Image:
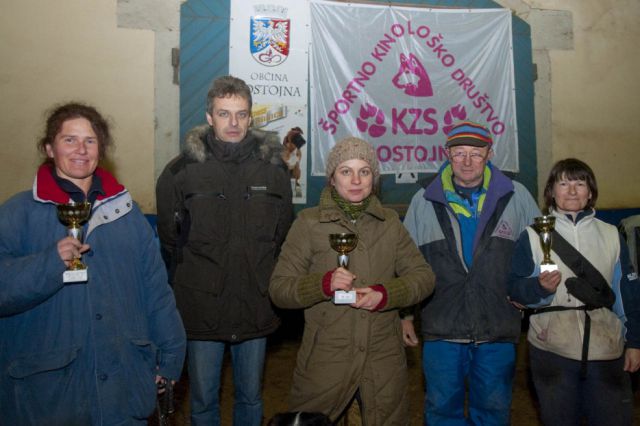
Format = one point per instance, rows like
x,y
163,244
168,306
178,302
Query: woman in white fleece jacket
x,y
571,381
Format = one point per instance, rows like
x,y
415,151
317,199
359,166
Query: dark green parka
x,y
345,349
222,217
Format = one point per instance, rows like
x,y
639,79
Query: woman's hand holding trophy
x,y
549,275
544,226
71,247
342,279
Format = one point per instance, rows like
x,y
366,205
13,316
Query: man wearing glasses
x,y
466,223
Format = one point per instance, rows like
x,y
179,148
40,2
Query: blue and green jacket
x,y
470,301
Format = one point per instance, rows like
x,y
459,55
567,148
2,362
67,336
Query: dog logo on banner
x,y
412,77
269,40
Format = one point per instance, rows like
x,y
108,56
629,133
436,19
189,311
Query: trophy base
x,y
550,267
341,297
75,276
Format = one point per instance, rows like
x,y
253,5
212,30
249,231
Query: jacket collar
x,y
330,212
457,203
499,186
267,147
583,217
46,190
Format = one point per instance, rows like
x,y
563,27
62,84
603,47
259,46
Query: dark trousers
x,y
603,397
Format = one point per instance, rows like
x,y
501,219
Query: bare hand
x,y
631,360
516,304
550,280
367,298
342,279
409,333
162,389
70,248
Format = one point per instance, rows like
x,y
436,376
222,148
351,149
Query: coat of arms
x,y
269,40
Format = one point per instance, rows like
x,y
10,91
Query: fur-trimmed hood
x,y
268,149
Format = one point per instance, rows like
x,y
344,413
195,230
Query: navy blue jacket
x,y
83,354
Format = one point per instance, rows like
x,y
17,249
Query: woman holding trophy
x,y
81,341
352,345
584,332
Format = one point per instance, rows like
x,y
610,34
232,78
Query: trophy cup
x,y
343,244
544,225
73,215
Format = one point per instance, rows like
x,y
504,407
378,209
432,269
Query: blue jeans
x,y
205,368
488,370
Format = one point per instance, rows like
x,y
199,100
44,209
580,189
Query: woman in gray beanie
x,y
351,350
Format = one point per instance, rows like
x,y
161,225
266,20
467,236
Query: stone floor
x,y
281,354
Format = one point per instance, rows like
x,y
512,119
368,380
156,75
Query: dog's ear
x,y
294,136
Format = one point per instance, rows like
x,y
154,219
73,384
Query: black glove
x,y
592,295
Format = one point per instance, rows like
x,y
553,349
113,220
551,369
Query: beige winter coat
x,y
345,349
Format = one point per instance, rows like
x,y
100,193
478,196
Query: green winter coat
x,y
221,221
345,349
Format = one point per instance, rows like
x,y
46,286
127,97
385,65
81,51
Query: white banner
x,y
268,48
399,77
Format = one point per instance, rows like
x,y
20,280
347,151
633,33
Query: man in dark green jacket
x,y
224,209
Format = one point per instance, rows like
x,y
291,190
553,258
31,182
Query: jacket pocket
x,y
262,214
50,388
206,251
261,221
262,259
309,341
140,369
202,270
200,310
208,217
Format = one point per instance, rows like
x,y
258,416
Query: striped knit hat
x,y
469,133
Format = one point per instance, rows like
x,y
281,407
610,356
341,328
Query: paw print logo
x,y
457,113
368,111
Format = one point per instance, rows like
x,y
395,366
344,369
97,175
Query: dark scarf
x,y
230,151
353,211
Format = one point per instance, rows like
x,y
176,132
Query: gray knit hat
x,y
351,148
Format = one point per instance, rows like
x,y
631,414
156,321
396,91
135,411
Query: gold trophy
x,y
73,215
343,244
544,226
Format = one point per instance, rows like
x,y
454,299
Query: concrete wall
x,y
587,93
116,54
75,50
595,95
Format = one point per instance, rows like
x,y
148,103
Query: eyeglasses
x,y
459,157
